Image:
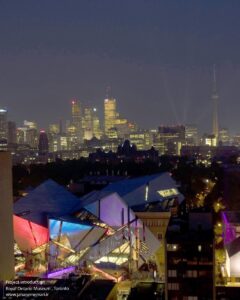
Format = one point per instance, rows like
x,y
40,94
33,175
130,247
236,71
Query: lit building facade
x,y
3,129
77,120
110,114
172,138
142,139
191,135
91,123
30,124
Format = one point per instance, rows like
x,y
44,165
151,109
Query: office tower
x,y
28,134
77,120
3,129
32,137
141,139
215,98
97,132
71,133
110,115
54,128
12,133
191,135
172,138
54,137
6,218
20,135
91,123
43,143
209,140
30,124
3,123
88,123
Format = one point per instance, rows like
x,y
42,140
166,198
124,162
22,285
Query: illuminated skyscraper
x,y
3,123
110,114
28,134
3,129
215,97
91,123
88,123
97,132
54,128
172,137
191,135
30,124
77,120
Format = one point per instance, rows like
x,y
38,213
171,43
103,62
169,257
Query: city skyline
x,y
178,115
160,53
73,103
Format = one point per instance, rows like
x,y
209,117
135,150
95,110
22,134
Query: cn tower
x,y
215,97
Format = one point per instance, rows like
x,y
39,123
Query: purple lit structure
x,y
61,272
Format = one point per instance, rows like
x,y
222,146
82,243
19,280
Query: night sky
x,y
157,56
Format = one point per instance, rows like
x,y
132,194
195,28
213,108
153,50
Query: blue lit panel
x,y
67,228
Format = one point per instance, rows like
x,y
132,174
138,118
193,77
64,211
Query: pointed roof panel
x,y
47,199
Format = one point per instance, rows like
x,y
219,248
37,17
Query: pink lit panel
x,y
29,235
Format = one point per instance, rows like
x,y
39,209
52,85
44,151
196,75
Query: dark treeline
x,y
191,178
64,171
186,172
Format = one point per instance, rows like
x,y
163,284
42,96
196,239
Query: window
x,y
172,273
192,273
173,286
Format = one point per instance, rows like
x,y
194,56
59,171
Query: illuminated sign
x,y
168,193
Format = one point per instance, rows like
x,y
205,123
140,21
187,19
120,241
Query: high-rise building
x,y
3,129
77,119
142,139
110,114
32,137
87,123
28,134
97,132
21,135
73,141
191,135
54,137
91,123
12,133
43,143
54,128
215,98
30,124
172,138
